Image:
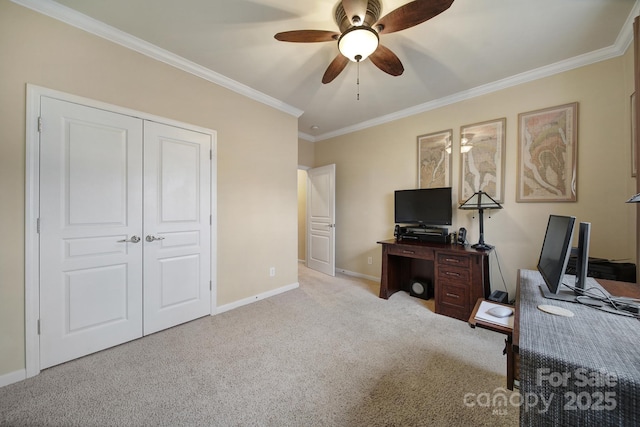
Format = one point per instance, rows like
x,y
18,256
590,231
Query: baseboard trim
x,y
13,377
264,295
360,275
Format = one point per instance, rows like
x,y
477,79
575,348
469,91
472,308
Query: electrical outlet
x,y
272,271
370,260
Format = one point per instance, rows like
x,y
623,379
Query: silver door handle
x,y
151,238
133,239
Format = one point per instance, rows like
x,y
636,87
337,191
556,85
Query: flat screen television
x,y
425,206
554,256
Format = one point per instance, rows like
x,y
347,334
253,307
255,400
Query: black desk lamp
x,y
481,201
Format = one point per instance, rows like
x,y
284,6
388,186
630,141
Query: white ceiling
x,y
475,47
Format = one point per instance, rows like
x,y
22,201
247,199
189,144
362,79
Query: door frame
x,y
32,207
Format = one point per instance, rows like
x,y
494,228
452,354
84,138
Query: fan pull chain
x,y
358,58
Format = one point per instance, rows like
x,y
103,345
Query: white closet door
x,y
177,229
90,211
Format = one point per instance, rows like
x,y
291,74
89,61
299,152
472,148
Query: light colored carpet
x,y
330,353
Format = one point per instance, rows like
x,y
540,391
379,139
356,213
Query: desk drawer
x,y
454,275
411,251
455,295
454,260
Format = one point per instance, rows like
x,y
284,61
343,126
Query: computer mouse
x,y
500,311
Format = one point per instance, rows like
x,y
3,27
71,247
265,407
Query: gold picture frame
x,y
482,148
434,159
547,154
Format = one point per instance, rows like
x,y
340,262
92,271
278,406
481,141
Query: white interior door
x,y
321,223
90,220
177,226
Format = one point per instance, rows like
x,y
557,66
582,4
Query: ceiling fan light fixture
x,y
357,43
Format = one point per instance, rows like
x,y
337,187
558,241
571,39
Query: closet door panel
x,y
177,255
90,207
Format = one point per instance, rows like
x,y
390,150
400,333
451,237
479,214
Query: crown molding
x,y
529,76
100,29
306,137
625,38
71,17
620,46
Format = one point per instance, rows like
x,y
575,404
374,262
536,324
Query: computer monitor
x,y
554,256
582,256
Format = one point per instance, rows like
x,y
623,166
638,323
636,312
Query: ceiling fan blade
x,y
387,61
355,8
411,14
335,68
307,36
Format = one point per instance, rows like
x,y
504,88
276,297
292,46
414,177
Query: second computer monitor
x,y
582,256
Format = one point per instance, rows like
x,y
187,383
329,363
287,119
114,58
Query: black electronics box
x,y
425,238
600,268
422,234
499,296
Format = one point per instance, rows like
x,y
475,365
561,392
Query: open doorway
x,y
316,228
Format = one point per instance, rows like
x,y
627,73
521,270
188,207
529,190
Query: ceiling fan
x,y
360,26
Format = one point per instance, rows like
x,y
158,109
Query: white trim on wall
x,y
31,240
13,377
255,298
620,46
76,19
358,275
100,29
529,76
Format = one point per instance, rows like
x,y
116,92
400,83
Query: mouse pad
x,y
553,309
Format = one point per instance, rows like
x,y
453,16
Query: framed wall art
x,y
434,159
482,159
547,147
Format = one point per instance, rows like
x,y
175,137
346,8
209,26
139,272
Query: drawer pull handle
x,y
452,260
453,295
451,273
408,252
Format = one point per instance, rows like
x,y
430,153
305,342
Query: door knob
x,y
151,238
133,239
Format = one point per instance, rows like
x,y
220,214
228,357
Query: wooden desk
x,y
459,274
571,362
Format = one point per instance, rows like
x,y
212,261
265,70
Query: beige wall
x,y
257,155
372,163
306,155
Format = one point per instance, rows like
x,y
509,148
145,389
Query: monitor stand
x,y
562,295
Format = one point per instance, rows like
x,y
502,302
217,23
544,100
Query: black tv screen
x,y
429,206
